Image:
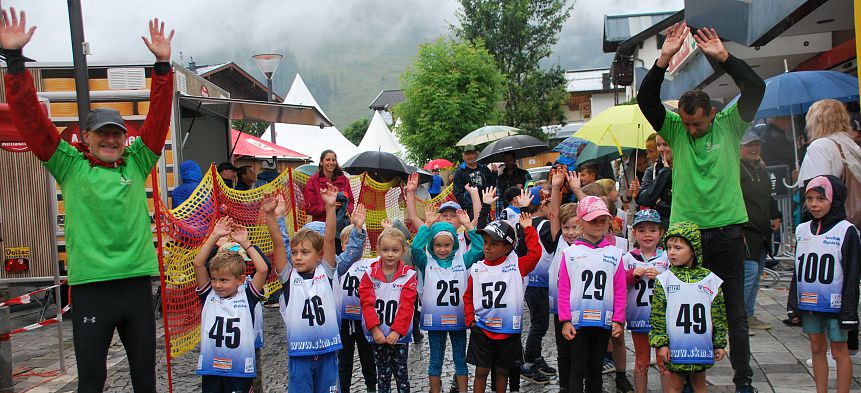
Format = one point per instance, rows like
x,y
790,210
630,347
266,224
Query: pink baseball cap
x,y
591,207
823,185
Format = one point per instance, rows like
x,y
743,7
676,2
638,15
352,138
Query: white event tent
x,y
379,137
311,140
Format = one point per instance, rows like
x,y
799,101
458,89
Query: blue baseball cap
x,y
648,215
535,195
317,226
448,205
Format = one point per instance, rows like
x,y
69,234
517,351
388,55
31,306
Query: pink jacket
x,y
314,206
619,288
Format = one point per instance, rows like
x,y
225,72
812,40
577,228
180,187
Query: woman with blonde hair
x,y
828,125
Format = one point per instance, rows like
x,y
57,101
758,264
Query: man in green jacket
x,y
109,244
706,186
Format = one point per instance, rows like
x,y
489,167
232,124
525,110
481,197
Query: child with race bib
x,y
824,288
493,301
387,293
226,361
643,264
443,265
688,316
591,295
310,309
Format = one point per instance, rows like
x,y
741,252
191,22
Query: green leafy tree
x,y
451,89
255,128
356,130
519,34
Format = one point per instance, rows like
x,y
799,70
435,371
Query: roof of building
x,y
619,28
233,78
387,99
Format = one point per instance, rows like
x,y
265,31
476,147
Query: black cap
x,y
499,230
227,166
100,117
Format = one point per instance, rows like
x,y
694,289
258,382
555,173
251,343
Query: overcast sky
x,y
214,28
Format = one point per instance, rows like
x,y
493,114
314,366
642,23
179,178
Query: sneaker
x,y
544,368
532,375
609,366
754,323
623,385
855,357
746,389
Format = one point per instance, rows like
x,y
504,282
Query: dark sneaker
x,y
609,366
532,375
623,385
544,368
746,389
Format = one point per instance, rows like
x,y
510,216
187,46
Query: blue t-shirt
x,y
436,185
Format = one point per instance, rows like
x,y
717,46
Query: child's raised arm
x,y
221,229
329,195
557,181
475,198
279,252
240,234
412,213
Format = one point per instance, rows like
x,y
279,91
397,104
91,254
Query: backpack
x,y
850,178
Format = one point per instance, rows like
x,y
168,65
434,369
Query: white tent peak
x,y
380,137
300,95
311,140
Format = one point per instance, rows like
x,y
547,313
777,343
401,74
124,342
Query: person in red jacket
x,y
329,172
387,293
493,301
111,256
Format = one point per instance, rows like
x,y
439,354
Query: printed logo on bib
x,y
222,363
833,240
705,289
809,298
836,300
495,323
673,288
591,315
249,365
515,321
448,319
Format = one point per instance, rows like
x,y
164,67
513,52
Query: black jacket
x,y
480,177
761,208
656,192
851,252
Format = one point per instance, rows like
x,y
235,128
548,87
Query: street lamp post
x,y
268,64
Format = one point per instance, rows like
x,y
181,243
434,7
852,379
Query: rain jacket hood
x,y
690,232
443,227
838,210
190,172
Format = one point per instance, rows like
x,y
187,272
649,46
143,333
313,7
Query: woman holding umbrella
x,y
328,172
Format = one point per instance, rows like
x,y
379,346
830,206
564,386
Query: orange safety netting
x,y
185,229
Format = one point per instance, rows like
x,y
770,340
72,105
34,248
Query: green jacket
x,y
658,335
423,242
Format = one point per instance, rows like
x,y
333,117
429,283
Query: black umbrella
x,y
424,176
378,163
520,145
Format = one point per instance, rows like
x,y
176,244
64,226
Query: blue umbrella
x,y
569,146
792,93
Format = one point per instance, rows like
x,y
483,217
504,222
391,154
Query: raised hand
x,y
525,220
573,180
431,215
634,187
463,217
673,43
386,223
239,233
329,194
523,200
711,45
13,31
412,183
472,190
158,44
268,205
559,178
488,197
281,207
358,217
222,227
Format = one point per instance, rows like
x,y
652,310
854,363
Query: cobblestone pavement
x,y
778,360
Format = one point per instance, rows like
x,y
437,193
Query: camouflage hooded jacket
x,y
658,335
